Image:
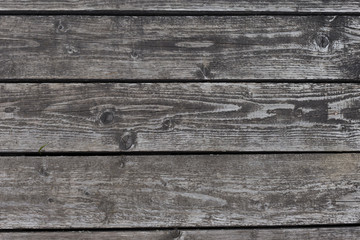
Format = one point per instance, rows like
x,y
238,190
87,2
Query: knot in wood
x,y
9,109
167,124
43,171
175,234
107,117
60,27
71,49
323,41
126,141
134,55
298,112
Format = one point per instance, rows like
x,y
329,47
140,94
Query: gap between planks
x,y
255,234
167,13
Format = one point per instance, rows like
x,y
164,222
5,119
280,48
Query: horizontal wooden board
x,y
180,47
348,233
294,6
239,117
179,190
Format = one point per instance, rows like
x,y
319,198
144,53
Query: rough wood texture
x,y
179,117
180,190
349,233
185,47
297,6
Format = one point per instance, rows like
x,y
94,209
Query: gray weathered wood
x,y
179,117
180,47
144,191
348,233
180,190
302,6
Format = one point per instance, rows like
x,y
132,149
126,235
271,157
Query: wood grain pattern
x,y
180,47
179,190
348,233
296,6
151,117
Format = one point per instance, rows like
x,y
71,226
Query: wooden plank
x,y
115,117
231,6
348,233
180,47
179,190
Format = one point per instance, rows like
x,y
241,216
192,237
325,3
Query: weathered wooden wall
x,y
179,119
